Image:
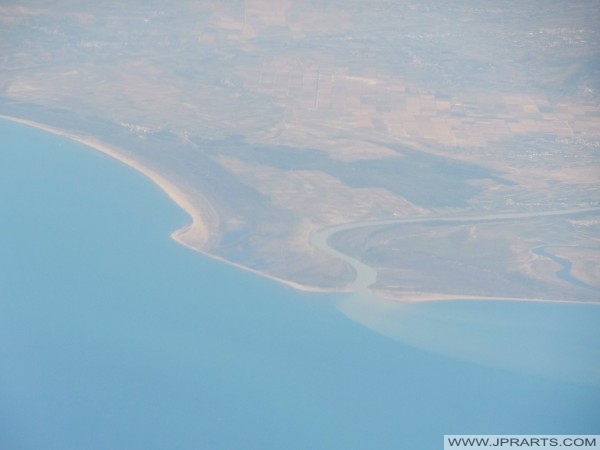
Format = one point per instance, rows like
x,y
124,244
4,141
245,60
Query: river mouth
x,y
551,340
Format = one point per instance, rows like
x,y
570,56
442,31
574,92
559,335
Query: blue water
x,y
112,336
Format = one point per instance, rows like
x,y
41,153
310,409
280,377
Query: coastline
x,y
424,297
197,230
193,235
196,234
367,276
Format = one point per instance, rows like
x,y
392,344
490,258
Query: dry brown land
x,y
269,120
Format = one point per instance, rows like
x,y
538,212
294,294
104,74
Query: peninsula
x,y
433,165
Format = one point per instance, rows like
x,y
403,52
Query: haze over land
x,y
276,120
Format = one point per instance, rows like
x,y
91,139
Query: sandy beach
x,y
420,297
196,232
194,235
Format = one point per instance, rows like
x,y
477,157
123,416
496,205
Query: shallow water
x,y
551,340
114,336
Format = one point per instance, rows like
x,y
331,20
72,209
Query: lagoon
x,y
114,336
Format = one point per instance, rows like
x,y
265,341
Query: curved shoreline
x,y
197,233
193,235
196,230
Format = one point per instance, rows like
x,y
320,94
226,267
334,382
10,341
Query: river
x,y
113,336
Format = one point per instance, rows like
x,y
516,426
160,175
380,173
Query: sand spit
x,y
194,235
419,297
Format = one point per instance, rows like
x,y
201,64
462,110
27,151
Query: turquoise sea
x,y
112,336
